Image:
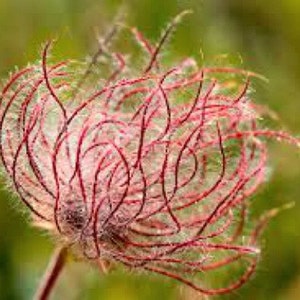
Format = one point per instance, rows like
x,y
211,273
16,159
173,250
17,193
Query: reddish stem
x,y
55,266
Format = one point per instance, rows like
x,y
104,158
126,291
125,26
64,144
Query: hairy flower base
x,y
152,169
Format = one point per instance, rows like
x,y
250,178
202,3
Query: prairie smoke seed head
x,y
151,170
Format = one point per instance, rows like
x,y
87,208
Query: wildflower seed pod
x,y
150,168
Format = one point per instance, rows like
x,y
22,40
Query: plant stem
x,y
55,266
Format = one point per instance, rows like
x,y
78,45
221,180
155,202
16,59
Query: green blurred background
x,y
265,33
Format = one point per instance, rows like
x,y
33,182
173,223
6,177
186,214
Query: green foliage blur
x,y
263,36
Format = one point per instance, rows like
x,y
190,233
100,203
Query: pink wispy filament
x,y
153,171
